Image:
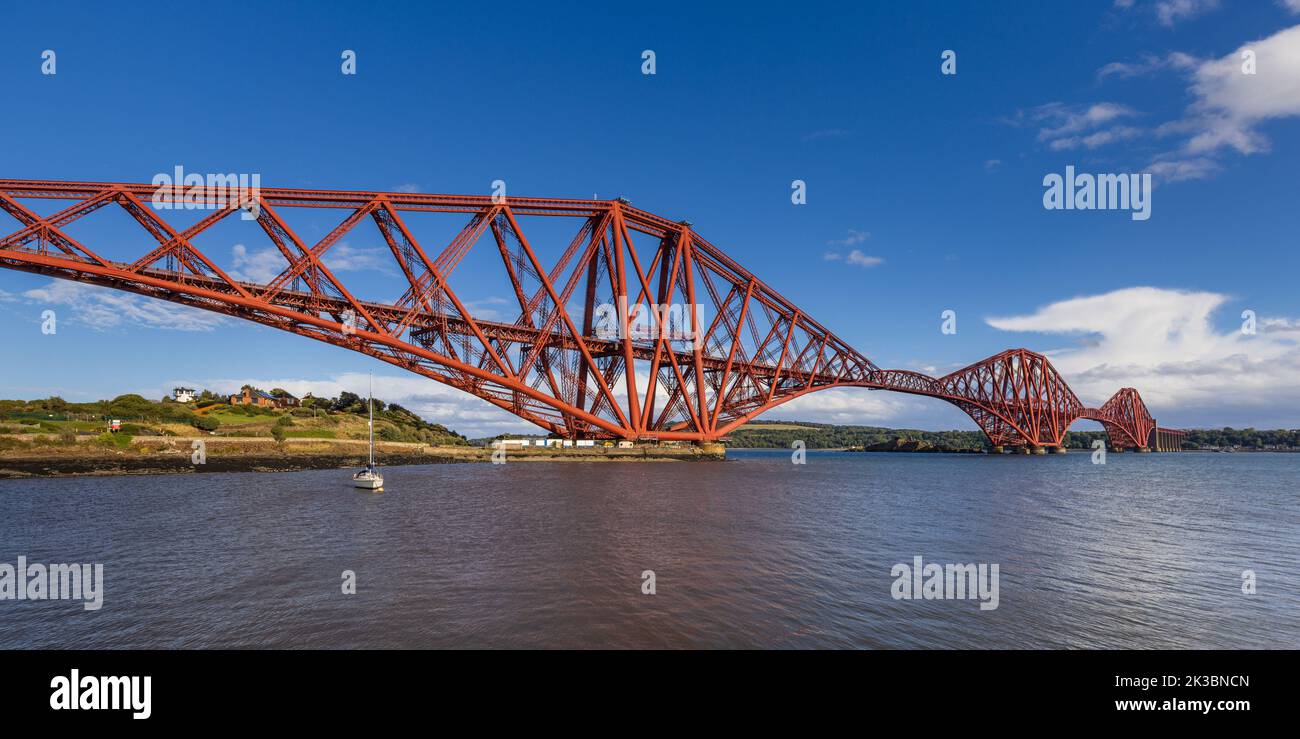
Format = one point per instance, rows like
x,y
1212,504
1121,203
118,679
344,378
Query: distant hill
x,y
780,434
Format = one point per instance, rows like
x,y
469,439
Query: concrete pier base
x,y
999,449
1143,449
713,449
1037,450
1059,450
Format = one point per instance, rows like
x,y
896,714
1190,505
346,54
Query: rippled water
x,y
1145,551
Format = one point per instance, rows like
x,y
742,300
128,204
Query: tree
x,y
131,405
277,433
206,423
348,402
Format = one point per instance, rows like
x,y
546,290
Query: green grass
x,y
114,441
292,433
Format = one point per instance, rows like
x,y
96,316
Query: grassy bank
x,y
123,454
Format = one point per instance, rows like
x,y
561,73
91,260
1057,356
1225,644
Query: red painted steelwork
x,y
550,366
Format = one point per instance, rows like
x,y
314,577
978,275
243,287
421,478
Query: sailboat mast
x,y
370,406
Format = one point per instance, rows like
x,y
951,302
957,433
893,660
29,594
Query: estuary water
x,y
1145,551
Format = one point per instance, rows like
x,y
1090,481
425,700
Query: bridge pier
x,y
1143,449
1035,449
998,449
714,449
1058,450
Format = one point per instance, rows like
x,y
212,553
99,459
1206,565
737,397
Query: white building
x,y
183,394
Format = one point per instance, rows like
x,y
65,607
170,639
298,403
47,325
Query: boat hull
x,y
368,483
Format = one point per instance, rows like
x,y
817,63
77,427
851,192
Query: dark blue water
x,y
1146,551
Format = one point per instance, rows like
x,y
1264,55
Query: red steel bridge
x,y
694,375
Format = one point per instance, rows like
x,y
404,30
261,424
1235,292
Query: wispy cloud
x,y
1169,12
344,257
828,133
854,237
1229,106
1148,64
103,309
1062,126
255,266
264,265
859,259
855,256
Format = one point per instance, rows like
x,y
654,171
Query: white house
x,y
183,394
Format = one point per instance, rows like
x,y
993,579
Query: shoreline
x,y
173,455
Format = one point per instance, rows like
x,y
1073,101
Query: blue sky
x,y
939,178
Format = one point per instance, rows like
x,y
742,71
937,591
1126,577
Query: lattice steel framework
x,y
561,363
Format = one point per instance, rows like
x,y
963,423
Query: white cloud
x,y
1148,64
1170,12
1164,343
1071,126
1097,138
855,256
1291,5
260,266
264,265
859,259
1171,168
101,308
483,309
854,237
1230,105
846,406
343,257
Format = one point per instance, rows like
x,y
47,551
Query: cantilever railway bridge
x,y
695,376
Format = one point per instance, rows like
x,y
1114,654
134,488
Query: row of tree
x,y
772,435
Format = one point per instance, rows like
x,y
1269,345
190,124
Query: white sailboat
x,y
369,478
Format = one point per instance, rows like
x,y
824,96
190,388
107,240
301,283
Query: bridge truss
x,y
639,328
